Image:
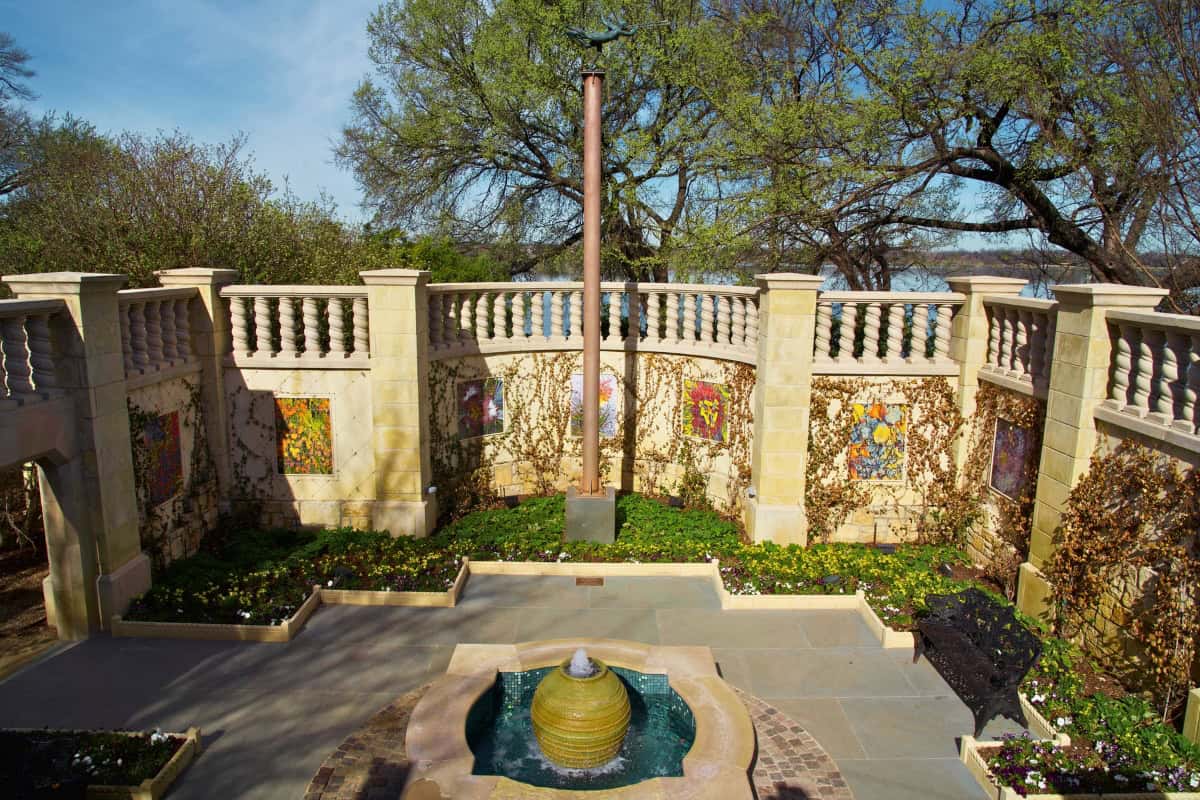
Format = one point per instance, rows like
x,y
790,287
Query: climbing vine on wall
x,y
538,446
1129,528
943,510
160,517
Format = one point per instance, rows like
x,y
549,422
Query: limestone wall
x,y
301,445
174,477
644,446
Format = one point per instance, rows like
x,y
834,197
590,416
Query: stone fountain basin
x,y
717,766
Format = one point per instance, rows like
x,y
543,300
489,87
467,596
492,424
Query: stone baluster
x,y
614,316
137,336
1175,367
824,330
739,321
238,325
724,326
752,324
654,316
1122,365
362,334
167,318
635,317
183,328
537,314
462,302
919,343
435,319
1021,359
941,339
287,328
846,332
337,327
41,353
154,343
449,318
262,327
481,317
556,314
895,334
871,332
500,316
1165,373
1037,346
518,316
577,315
311,321
1048,355
673,317
708,319
1143,368
1004,353
689,318
1190,412
126,344
994,315
16,356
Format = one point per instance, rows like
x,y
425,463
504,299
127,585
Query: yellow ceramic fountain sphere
x,y
580,722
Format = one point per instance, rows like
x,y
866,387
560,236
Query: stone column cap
x,y
1120,295
196,276
789,280
64,282
394,277
986,284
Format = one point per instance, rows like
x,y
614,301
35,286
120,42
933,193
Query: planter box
x,y
1039,726
151,788
364,597
288,630
889,638
216,631
971,756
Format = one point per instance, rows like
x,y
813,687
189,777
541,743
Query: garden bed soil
x,y
24,634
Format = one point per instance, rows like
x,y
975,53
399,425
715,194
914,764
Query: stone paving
x,y
272,713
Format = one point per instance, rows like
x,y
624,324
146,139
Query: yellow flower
x,y
883,434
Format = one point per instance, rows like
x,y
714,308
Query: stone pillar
x,y
211,342
783,386
89,503
1078,383
969,339
399,328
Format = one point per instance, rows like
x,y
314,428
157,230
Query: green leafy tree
x,y
472,123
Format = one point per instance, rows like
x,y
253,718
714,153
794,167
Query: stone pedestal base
x,y
1033,591
116,589
592,519
405,518
782,524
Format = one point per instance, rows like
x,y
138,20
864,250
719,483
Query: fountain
x,y
580,713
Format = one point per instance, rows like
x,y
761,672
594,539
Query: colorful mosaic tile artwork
x,y
1010,455
164,457
877,441
608,404
303,435
705,410
480,407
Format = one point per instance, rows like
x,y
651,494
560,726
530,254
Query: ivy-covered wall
x,y
300,445
506,425
174,478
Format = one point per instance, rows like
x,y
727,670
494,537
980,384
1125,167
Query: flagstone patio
x,y
273,713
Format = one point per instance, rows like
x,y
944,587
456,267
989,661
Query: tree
x,y
902,107
14,121
472,122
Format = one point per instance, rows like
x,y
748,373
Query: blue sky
x,y
281,72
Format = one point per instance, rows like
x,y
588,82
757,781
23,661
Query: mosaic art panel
x,y
303,435
164,471
608,404
1011,449
705,410
878,441
480,407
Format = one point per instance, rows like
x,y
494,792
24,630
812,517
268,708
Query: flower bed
x,y
93,764
262,578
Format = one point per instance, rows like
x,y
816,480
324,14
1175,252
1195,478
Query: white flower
x,y
1194,781
1062,721
1038,698
1120,778
329,582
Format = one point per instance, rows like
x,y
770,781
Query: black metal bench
x,y
981,649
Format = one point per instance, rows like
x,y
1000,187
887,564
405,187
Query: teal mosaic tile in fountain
x,y
500,733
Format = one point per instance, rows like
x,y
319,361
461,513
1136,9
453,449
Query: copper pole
x,y
593,83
